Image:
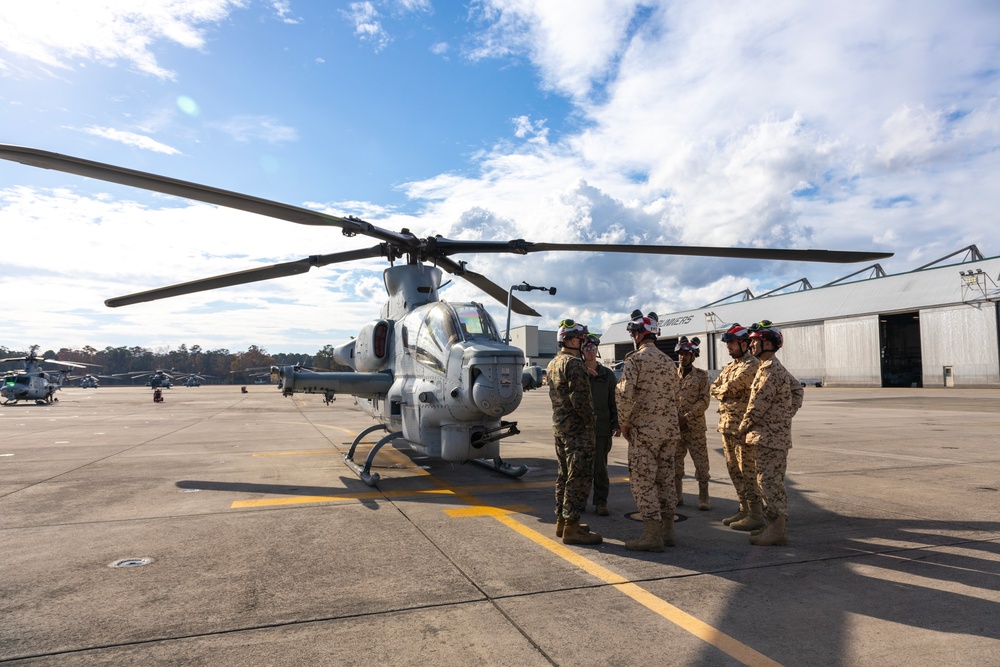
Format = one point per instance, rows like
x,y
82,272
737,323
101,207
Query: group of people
x,y
659,408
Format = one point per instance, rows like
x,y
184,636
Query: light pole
x,y
523,287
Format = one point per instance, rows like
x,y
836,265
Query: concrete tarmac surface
x,y
224,528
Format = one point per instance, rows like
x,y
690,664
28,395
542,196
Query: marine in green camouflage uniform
x,y
602,386
573,429
775,397
692,402
647,412
732,389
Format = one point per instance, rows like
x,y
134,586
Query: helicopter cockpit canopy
x,y
475,322
440,325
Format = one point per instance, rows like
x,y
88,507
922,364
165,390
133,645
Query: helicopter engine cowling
x,y
371,351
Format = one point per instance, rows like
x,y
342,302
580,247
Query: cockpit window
x,y
436,333
475,322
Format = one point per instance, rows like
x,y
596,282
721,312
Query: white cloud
x,y
131,139
283,8
367,24
55,33
258,128
574,44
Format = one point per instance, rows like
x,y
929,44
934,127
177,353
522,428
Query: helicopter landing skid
x,y
502,466
364,472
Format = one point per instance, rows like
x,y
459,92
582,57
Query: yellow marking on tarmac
x,y
339,498
675,615
303,453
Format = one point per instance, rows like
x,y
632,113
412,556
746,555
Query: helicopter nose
x,y
496,387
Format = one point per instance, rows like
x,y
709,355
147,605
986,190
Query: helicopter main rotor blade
x,y
204,193
488,286
522,247
248,276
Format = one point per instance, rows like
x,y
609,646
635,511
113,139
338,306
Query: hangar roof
x,y
921,288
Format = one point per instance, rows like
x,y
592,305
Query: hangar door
x,y
899,344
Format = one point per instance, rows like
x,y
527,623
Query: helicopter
x,y
33,382
192,380
157,379
435,375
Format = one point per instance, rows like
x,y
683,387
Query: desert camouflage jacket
x,y
569,391
693,398
768,419
732,389
647,394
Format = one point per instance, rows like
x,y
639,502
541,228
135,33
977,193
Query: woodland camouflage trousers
x,y
576,475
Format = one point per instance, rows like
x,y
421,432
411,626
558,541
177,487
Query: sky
x,y
862,125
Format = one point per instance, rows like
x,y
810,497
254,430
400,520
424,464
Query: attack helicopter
x,y
157,379
192,380
435,375
33,383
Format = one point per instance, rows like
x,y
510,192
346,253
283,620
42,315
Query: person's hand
x,y
592,371
617,433
627,432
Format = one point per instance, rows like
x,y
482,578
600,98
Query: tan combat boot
x,y
744,510
667,529
678,487
561,526
773,535
650,540
753,520
575,533
703,502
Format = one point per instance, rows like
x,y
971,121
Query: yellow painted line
x,y
483,510
302,453
339,498
675,615
463,492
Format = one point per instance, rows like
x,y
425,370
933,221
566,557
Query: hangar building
x,y
935,326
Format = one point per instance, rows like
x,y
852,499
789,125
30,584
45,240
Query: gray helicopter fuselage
x,y
435,371
33,384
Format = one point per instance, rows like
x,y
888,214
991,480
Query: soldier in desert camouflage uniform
x,y
692,402
573,428
647,413
775,397
732,389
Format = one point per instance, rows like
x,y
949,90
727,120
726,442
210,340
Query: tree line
x,y
215,366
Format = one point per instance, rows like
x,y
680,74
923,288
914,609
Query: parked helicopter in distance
x,y
33,382
191,380
158,379
436,375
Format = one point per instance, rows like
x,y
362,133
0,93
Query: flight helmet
x,y
568,330
685,345
767,331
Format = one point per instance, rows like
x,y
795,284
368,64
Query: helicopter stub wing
x,y
248,276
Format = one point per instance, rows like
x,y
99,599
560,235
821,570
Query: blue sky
x,y
861,126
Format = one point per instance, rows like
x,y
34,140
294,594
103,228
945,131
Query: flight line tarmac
x,y
224,528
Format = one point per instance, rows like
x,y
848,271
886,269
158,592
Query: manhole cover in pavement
x,y
131,562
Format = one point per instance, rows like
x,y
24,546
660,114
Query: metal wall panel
x,y
802,352
851,349
963,338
